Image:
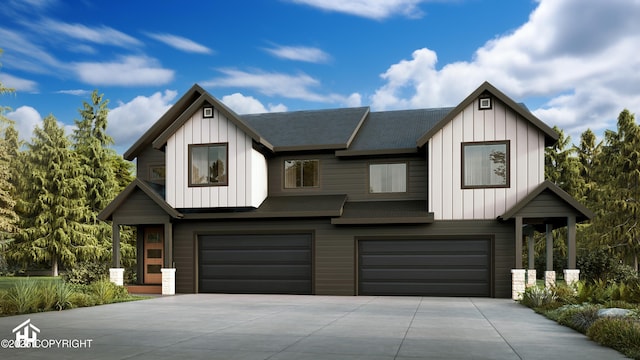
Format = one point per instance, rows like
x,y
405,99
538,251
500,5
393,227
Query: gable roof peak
x,y
550,135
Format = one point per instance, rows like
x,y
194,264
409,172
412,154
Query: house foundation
x,y
168,281
549,279
116,276
517,283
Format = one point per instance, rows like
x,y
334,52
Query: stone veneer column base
x,y
517,283
549,279
116,276
531,278
168,281
571,276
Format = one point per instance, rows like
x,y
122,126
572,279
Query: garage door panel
x,y
243,256
426,275
258,272
425,267
265,263
452,260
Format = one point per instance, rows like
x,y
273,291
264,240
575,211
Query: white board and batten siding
x,y
447,199
247,168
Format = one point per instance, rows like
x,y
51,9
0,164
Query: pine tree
x,y
8,151
52,204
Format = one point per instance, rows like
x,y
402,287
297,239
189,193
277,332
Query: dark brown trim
x,y
508,163
407,151
190,147
550,135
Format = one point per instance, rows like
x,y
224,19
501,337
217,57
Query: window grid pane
x,y
301,173
208,164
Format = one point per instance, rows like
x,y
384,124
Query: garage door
x,y
425,267
255,264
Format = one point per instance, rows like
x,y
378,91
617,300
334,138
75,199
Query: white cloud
x,y
26,118
76,92
277,84
299,53
128,121
242,104
103,35
18,84
127,71
581,54
181,43
373,9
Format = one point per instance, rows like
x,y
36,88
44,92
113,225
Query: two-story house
x,y
341,201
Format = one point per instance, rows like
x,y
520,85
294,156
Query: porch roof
x,y
384,212
107,213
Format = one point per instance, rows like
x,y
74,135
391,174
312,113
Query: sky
x,y
573,63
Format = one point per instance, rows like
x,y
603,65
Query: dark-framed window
x,y
208,164
301,174
387,178
157,172
486,164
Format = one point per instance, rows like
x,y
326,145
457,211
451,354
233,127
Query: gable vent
x,y
484,103
207,112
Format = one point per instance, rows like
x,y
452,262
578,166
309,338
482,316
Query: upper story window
x,y
388,178
208,165
485,165
301,173
157,173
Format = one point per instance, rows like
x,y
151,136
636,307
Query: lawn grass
x,y
7,282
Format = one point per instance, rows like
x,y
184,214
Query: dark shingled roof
x,y
394,131
309,130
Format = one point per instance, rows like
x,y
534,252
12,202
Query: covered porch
x,y
142,206
546,208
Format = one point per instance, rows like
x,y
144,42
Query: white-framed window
x,y
388,178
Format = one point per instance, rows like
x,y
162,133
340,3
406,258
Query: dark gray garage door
x,y
425,267
255,264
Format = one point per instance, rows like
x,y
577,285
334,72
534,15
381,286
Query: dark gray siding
x,y
139,209
349,176
547,205
149,157
335,247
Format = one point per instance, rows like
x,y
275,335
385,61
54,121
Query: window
x,y
301,173
485,165
388,178
208,165
157,172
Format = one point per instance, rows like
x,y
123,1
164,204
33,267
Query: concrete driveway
x,y
300,327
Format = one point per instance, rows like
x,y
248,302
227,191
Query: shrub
x,y
48,296
86,272
80,299
578,317
105,292
620,333
22,297
565,294
598,265
535,297
63,299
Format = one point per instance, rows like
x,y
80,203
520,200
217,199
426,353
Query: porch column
x,y
518,242
549,275
115,244
168,245
571,242
531,272
116,273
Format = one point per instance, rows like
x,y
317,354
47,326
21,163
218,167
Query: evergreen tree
x,y
8,216
52,205
619,189
561,165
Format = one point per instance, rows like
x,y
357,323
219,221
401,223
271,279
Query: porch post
x,y
571,274
116,273
549,275
518,242
168,271
531,272
115,244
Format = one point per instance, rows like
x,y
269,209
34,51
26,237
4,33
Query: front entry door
x,y
153,255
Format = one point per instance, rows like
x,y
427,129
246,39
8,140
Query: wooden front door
x,y
153,255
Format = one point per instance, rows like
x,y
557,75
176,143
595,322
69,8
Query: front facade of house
x,y
428,202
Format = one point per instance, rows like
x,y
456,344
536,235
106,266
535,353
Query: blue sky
x,y
574,63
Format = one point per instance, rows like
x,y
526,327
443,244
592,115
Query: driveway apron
x,y
278,327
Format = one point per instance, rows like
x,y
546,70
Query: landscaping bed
x,y
608,313
29,295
